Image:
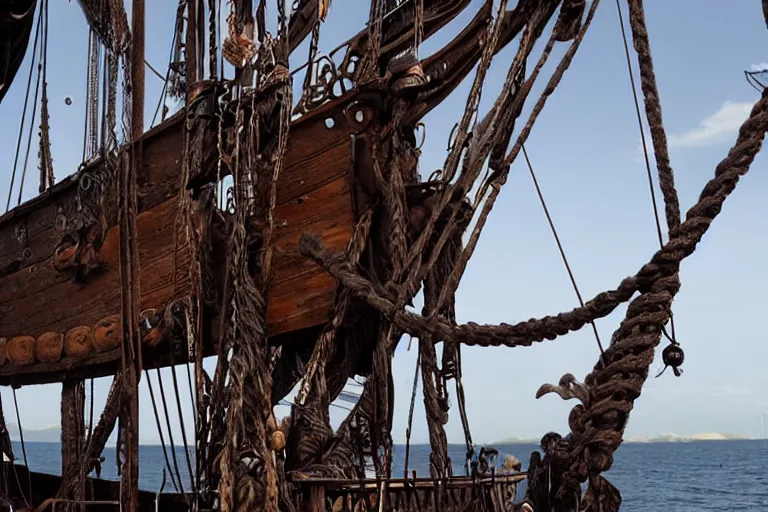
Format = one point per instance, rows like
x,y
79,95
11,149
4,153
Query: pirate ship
x,y
142,260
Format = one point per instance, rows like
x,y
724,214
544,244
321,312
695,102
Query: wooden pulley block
x,y
277,435
277,441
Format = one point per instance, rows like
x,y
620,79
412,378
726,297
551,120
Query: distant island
x,y
674,438
663,438
50,434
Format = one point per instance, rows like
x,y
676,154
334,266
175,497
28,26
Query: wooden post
x,y
72,436
137,69
129,276
130,293
316,501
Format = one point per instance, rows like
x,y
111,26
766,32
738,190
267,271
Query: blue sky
x,y
585,150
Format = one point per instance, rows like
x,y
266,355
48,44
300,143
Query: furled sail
x,y
16,18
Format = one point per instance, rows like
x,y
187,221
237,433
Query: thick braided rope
x,y
598,426
653,112
682,243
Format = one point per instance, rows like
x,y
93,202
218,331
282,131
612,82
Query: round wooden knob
x,y
107,333
49,346
77,342
21,350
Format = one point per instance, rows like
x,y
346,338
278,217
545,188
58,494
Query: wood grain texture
x,y
315,190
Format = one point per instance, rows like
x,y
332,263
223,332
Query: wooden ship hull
x,y
59,297
59,318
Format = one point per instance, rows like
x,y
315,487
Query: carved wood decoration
x,y
333,78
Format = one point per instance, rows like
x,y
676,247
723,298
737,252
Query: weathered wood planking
x,y
36,298
301,294
315,195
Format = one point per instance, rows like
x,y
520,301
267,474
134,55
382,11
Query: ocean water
x,y
668,477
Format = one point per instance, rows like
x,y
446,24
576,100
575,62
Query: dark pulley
x,y
673,356
68,100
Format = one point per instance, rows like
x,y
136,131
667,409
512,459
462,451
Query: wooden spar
x,y
130,290
137,69
398,26
450,65
302,21
190,48
201,27
72,436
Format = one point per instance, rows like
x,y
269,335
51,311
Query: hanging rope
x,y
177,395
46,159
24,110
23,448
369,64
170,68
168,426
681,245
410,414
160,431
658,134
92,100
560,248
653,111
29,134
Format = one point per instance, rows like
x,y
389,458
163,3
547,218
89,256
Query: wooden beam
x,y
72,436
137,69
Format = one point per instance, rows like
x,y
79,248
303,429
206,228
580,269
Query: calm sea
x,y
669,477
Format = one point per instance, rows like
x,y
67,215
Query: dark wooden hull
x,y
318,192
103,494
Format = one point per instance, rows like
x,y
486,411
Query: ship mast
x,y
137,69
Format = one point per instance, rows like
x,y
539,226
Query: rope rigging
x,y
24,110
406,236
560,248
653,110
160,433
23,452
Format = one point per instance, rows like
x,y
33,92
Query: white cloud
x,y
759,67
719,127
